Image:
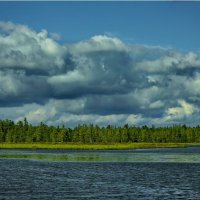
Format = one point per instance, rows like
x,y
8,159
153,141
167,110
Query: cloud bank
x,y
101,80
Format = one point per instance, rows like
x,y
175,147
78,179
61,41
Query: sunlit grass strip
x,y
117,146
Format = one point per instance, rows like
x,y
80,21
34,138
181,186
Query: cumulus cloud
x,y
99,80
171,62
98,43
25,49
185,109
55,112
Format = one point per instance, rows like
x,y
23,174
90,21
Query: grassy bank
x,y
74,146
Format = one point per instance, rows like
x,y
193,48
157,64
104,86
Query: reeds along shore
x,y
117,146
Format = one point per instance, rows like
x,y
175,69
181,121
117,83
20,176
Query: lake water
x,y
135,174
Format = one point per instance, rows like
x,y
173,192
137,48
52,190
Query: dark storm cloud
x,y
98,77
101,72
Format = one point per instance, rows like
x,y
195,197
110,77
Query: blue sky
x,y
114,62
173,24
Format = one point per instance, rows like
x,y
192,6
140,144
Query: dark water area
x,y
136,174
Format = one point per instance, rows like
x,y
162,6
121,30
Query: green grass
x,y
117,146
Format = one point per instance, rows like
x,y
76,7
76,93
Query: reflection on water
x,y
186,155
100,175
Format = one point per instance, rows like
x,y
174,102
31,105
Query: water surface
x,y
186,155
135,174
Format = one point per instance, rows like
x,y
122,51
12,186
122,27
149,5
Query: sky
x,y
100,62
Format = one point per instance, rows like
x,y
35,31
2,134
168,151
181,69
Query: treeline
x,y
23,132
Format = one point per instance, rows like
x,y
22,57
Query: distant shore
x,y
77,146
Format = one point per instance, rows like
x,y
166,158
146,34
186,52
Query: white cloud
x,y
192,85
156,104
160,65
55,36
41,115
133,119
147,95
69,77
23,47
185,109
109,119
100,80
10,84
173,61
98,43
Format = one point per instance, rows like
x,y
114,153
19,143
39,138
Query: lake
x,y
168,173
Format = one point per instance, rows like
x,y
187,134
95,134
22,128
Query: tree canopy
x,y
23,132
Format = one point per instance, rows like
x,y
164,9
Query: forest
x,y
23,132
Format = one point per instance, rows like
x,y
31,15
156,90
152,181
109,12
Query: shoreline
x,y
77,146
